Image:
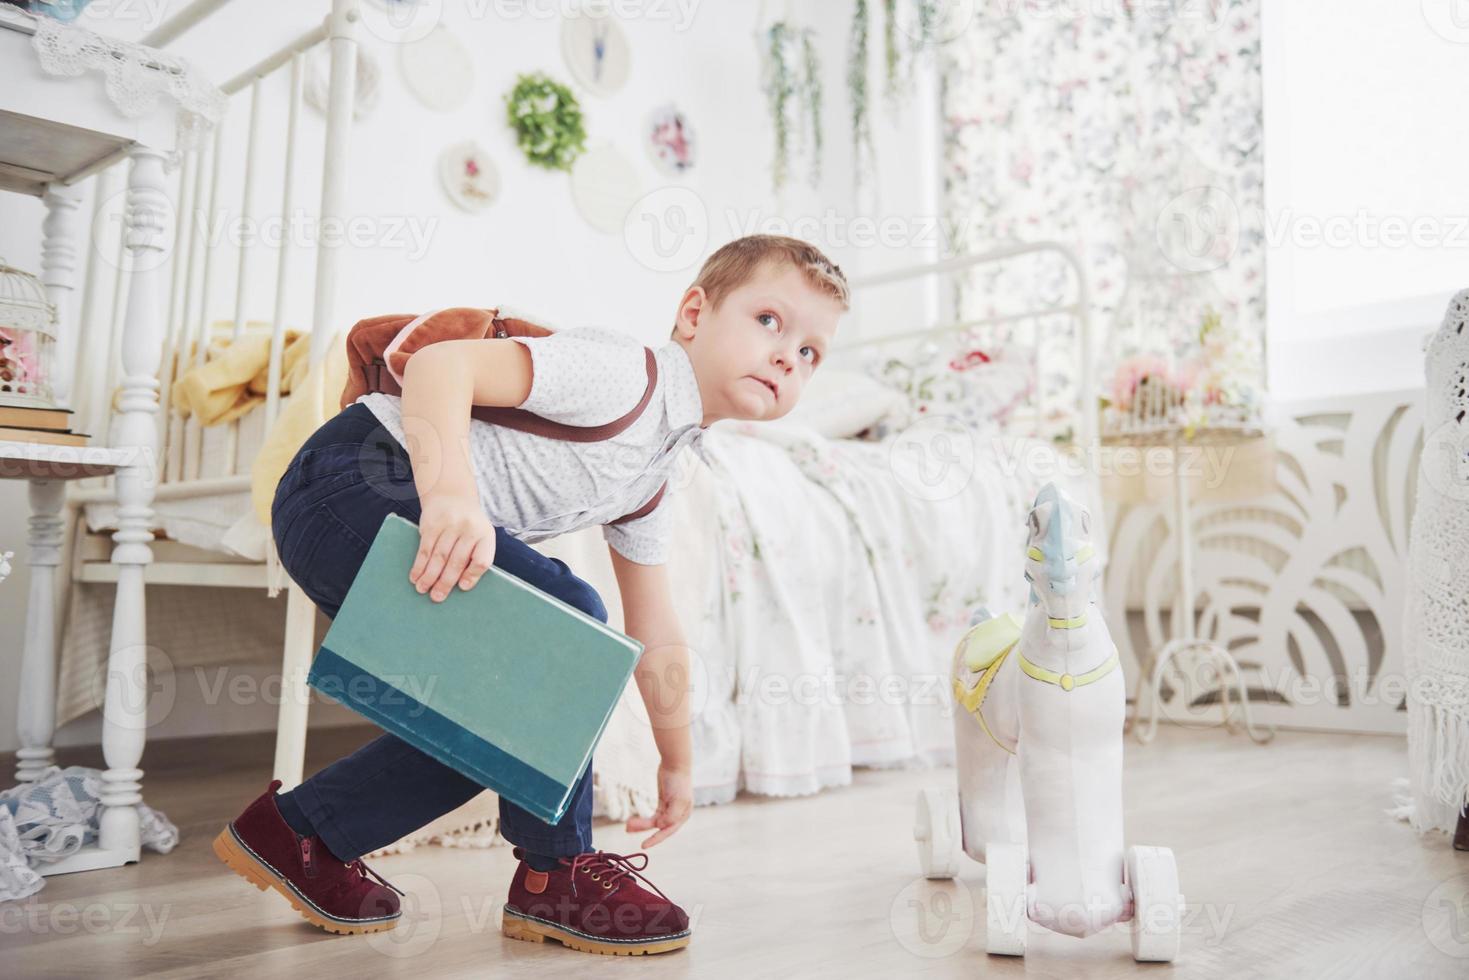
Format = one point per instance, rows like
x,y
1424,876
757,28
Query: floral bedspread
x,y
843,588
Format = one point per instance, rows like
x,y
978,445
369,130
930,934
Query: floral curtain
x,y
1131,131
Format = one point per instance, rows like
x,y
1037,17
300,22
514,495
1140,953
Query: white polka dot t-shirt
x,y
537,487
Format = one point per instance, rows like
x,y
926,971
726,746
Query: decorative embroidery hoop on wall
x,y
438,69
670,140
596,51
469,177
605,186
319,76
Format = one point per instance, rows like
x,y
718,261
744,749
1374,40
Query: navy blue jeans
x,y
328,507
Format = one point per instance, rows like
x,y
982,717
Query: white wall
x,y
531,249
1366,199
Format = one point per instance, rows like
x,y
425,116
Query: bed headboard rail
x,y
1077,308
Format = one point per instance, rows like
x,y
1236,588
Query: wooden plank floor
x,y
1289,864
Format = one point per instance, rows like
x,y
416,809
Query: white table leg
x,y
37,708
36,722
1145,726
59,244
125,711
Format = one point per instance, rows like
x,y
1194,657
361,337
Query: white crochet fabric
x,y
136,76
1436,630
53,818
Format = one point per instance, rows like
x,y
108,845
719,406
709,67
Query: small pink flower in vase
x,y
17,356
471,169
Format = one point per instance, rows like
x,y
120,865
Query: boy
x,y
748,333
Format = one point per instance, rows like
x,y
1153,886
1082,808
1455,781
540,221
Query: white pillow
x,y
841,403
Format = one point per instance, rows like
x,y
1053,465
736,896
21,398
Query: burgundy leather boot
x,y
593,902
339,896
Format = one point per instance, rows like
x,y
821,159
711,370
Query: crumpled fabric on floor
x,y
56,816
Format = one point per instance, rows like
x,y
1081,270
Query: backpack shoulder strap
x,y
520,419
644,510
379,333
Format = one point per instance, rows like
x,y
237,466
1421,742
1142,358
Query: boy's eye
x,y
767,319
813,353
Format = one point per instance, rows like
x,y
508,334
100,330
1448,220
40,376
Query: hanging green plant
x,y
862,148
928,22
811,82
899,58
780,88
890,45
547,121
788,87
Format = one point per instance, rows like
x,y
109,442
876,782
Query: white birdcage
x,y
27,339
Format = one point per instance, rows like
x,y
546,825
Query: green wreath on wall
x,y
547,121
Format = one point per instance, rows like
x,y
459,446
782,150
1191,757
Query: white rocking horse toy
x,y
1044,700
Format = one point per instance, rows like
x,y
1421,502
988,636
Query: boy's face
x,y
754,354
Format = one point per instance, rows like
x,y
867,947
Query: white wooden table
x,y
55,132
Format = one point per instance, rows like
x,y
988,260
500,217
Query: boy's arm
x,y
663,680
663,672
440,384
456,540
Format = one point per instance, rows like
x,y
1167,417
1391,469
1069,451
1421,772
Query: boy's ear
x,y
690,310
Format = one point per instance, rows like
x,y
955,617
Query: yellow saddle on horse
x,y
983,651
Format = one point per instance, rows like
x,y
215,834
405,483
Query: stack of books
x,y
51,425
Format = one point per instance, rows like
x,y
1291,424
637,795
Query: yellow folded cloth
x,y
233,378
316,399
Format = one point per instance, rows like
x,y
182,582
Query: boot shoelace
x,y
366,872
609,868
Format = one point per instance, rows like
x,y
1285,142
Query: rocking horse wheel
x,y
936,829
1157,904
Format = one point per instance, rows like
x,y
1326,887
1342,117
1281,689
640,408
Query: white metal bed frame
x,y
1078,308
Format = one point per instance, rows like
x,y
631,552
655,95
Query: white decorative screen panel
x,y
1305,584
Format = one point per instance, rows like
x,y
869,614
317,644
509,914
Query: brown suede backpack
x,y
378,349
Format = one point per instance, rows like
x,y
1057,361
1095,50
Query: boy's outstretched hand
x,y
675,803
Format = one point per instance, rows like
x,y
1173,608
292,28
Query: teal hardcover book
x,y
505,683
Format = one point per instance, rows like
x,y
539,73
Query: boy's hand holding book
x,y
456,544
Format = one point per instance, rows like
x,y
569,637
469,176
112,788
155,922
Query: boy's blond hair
x,y
734,264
